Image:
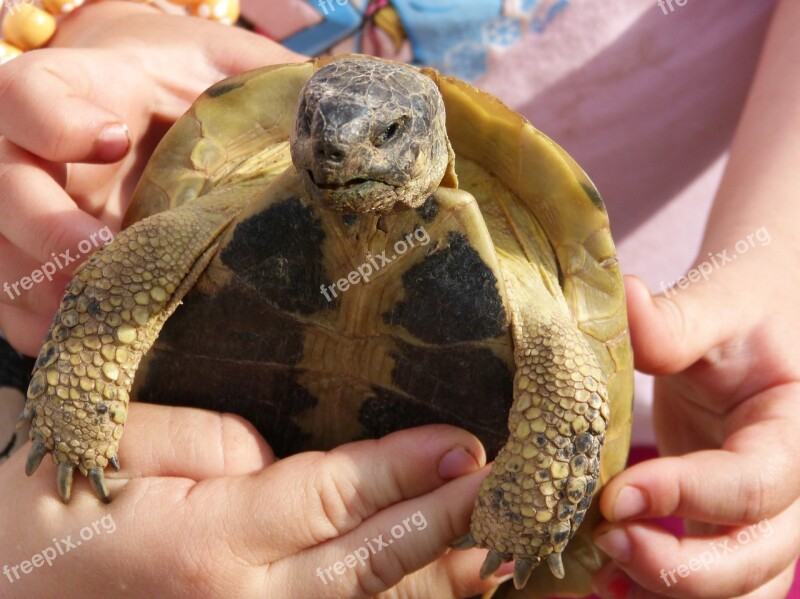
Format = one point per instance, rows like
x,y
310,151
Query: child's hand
x,y
726,352
78,122
201,509
726,408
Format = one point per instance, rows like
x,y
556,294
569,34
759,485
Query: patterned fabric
x,y
14,377
13,368
454,36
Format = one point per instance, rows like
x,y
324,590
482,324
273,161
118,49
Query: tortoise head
x,y
370,136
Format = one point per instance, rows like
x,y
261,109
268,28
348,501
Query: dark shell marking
x,y
444,357
278,252
451,296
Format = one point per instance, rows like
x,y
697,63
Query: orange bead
x,y
7,52
28,27
224,11
61,7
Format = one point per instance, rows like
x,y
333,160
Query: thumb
x,y
673,330
49,112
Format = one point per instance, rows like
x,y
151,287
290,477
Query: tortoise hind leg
x,y
111,314
543,479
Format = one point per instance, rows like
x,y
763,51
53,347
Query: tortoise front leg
x,y
109,317
543,479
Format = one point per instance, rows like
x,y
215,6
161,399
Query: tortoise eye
x,y
389,133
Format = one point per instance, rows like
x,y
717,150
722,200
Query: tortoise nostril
x,y
330,152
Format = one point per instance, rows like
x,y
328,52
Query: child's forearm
x,y
761,183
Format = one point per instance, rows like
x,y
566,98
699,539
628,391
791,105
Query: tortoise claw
x,y
556,565
492,562
522,572
35,456
98,481
114,461
467,541
24,419
64,480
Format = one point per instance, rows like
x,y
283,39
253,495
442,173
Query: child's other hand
x,y
202,509
726,409
78,122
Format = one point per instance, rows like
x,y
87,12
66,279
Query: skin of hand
x,y
79,120
725,352
202,509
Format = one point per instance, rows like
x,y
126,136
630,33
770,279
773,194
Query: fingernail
x,y
113,142
457,462
616,544
630,502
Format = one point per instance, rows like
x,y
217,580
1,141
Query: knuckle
x,y
238,441
752,576
8,175
32,77
341,506
753,498
677,318
379,574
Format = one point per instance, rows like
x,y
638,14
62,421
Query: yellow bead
x,y
7,52
223,11
28,27
61,7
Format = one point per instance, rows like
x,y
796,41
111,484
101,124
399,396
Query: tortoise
x,y
359,246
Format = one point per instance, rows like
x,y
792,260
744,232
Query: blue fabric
x,y
454,36
340,22
438,29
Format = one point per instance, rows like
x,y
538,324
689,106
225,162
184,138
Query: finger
x,y
44,223
221,52
217,51
71,127
721,567
25,285
394,542
753,476
188,443
242,50
454,575
670,332
777,587
23,330
339,489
